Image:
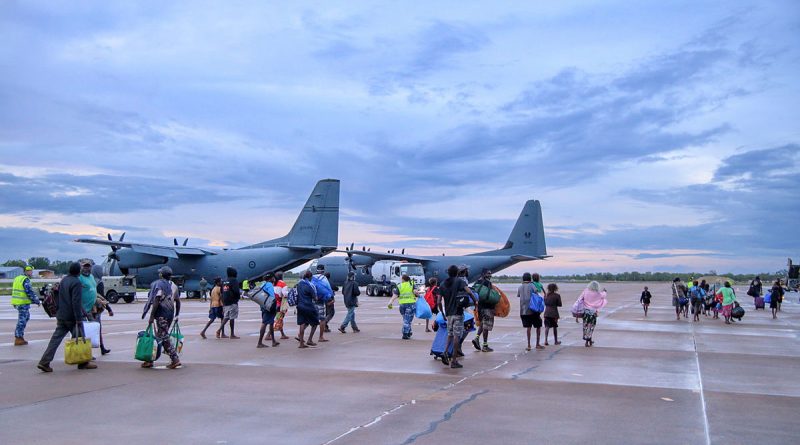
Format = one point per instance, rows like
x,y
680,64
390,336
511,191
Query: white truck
x,y
387,274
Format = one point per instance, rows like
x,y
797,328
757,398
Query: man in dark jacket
x,y
69,317
230,301
350,293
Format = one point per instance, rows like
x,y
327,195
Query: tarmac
x,y
647,380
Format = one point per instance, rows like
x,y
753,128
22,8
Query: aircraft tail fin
x,y
318,222
527,237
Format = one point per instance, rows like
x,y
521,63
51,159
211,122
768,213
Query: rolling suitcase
x,y
759,301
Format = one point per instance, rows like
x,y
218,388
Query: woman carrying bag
x,y
593,300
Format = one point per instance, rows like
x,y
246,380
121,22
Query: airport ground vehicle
x,y
387,274
793,276
121,286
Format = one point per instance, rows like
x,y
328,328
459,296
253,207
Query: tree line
x,y
57,266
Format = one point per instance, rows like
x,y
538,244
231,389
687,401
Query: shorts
x,y
532,320
267,317
455,326
487,319
307,317
231,311
550,322
215,312
320,311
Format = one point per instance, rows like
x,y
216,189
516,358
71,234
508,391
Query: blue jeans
x,y
407,311
22,321
350,318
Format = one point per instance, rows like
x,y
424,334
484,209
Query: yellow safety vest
x,y
18,294
406,292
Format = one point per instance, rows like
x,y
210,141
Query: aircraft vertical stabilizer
x,y
318,222
527,237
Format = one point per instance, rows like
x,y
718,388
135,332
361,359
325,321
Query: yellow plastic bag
x,y
77,351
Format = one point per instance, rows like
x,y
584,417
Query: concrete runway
x,y
653,380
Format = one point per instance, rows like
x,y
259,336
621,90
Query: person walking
x,y
530,319
454,299
552,301
777,295
22,296
728,298
203,288
69,317
230,303
406,296
679,300
485,313
307,314
324,291
593,300
165,306
280,296
755,289
215,310
350,293
698,295
330,305
431,297
645,300
88,289
268,314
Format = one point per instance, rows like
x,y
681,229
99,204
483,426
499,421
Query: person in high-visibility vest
x,y
22,295
407,297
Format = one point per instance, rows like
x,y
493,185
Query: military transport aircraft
x,y
526,243
315,234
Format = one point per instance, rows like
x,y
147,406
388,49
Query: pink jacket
x,y
594,300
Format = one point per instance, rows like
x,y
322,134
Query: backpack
x,y
324,291
697,295
537,302
291,297
50,300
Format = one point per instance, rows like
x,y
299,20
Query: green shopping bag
x,y
145,343
176,338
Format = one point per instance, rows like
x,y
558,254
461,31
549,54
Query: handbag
x,y
78,350
578,308
91,329
503,307
278,326
145,344
176,338
536,303
423,309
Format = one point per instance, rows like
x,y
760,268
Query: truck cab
x,y
387,275
117,287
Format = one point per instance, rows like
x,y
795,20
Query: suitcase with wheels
x,y
759,302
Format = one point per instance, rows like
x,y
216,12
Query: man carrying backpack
x,y
164,305
485,311
68,317
230,301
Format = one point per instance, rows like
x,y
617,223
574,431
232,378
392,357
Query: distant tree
x,y
15,263
39,262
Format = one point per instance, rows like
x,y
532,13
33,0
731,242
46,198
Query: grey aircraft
x,y
315,234
526,243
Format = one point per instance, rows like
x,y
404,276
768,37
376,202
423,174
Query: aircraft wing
x,y
151,249
388,256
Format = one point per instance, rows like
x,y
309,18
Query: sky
x,y
658,136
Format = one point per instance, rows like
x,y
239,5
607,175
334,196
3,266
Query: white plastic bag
x,y
91,330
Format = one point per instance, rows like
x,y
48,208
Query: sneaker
x,y
174,364
486,348
341,329
476,343
19,341
445,360
87,365
356,330
456,365
44,368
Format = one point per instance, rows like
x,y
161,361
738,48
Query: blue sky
x,y
656,136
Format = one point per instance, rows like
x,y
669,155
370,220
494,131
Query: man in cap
x,y
70,314
22,295
164,305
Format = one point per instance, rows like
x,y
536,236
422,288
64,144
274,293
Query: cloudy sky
x,y
657,135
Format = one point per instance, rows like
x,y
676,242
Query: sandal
x,y
147,364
